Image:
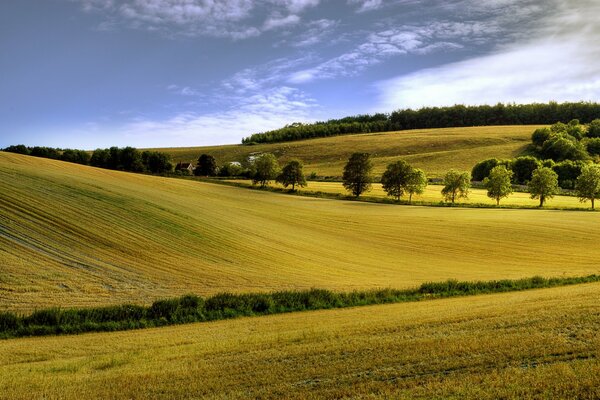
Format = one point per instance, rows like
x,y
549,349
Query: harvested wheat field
x,y
535,344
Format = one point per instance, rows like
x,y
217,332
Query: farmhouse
x,y
185,166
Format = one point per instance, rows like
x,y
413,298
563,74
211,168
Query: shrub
x,y
567,172
482,169
523,167
593,146
594,129
539,136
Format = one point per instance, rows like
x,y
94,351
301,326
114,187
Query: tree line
x,y
434,117
123,159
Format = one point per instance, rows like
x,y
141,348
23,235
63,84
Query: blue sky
x,y
147,73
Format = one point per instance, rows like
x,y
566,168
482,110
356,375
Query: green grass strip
x,y
191,308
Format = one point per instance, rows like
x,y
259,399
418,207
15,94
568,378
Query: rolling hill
x,y
434,150
74,235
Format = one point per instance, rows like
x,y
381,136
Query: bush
x,y
594,129
593,146
560,147
523,167
568,171
539,136
482,169
8,322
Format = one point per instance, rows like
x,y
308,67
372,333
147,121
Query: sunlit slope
x,y
434,150
535,344
75,235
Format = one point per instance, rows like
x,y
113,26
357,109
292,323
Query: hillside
x,y
74,235
434,150
535,344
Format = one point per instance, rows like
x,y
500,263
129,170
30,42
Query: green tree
x,y
265,169
292,174
100,158
395,178
523,167
157,162
588,184
482,169
498,183
456,185
543,184
357,173
18,149
207,166
417,182
594,129
131,159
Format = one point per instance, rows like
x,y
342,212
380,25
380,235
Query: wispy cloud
x,y
183,90
366,5
557,62
379,46
268,110
236,19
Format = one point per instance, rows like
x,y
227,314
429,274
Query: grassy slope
x,y
538,344
434,150
72,235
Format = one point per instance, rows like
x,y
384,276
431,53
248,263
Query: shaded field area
x,y
76,236
535,344
433,150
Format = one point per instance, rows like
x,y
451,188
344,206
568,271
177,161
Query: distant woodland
x,y
434,117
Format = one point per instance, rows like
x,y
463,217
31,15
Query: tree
x,y
593,146
543,184
18,149
395,178
131,159
265,168
292,175
207,166
417,182
594,129
539,136
157,162
482,169
456,185
588,184
357,173
523,167
498,183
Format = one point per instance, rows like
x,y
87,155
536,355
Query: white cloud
x,y
366,5
236,19
275,22
269,110
558,63
382,45
183,90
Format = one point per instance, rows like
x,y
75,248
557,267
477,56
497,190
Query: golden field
x,y
73,235
535,344
433,150
433,194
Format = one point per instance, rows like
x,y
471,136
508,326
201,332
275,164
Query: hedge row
x,y
190,308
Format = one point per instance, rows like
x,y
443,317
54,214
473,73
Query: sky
x,y
167,73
